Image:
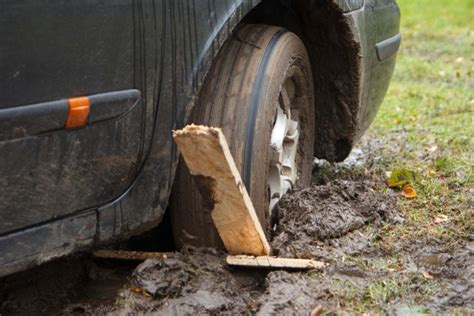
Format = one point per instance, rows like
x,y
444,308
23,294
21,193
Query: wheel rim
x,y
285,135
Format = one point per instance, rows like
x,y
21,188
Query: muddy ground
x,y
337,221
341,219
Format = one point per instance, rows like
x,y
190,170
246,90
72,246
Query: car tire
x,y
260,92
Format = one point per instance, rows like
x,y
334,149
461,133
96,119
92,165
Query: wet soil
x,y
75,285
338,221
335,221
310,217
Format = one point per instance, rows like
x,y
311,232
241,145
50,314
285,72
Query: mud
x,y
197,281
194,281
206,186
310,223
74,285
337,221
307,217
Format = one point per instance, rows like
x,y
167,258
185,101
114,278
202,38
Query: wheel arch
x,y
332,40
334,48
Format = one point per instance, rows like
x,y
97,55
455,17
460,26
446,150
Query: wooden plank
x,y
130,255
274,262
209,160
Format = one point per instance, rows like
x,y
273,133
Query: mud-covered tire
x,y
241,94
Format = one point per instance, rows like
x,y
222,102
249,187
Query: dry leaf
x,y
427,275
139,291
136,289
408,191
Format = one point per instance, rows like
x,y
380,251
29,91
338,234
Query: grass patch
x,y
425,125
376,295
427,119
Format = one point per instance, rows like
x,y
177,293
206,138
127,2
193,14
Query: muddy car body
x,y
90,92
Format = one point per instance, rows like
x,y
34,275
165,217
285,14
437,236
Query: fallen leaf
x,y
408,191
139,291
136,289
441,218
427,275
400,177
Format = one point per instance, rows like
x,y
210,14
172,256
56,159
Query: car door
x,y
71,109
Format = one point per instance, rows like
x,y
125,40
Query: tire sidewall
x,y
287,59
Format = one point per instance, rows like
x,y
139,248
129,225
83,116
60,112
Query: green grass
x,y
427,119
376,294
426,125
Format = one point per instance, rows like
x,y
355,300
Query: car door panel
x,y
51,51
58,49
54,173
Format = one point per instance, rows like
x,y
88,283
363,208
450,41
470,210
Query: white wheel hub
x,y
283,149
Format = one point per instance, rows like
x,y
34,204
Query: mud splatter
x,y
206,186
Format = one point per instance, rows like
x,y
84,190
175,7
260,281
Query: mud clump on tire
x,y
318,213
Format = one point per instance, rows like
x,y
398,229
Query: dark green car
x,y
91,90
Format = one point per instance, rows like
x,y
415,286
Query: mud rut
x,y
331,221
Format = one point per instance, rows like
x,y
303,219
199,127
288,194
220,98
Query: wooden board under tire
x,y
274,262
129,255
210,162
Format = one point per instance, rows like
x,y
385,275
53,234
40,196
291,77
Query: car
x,y
90,92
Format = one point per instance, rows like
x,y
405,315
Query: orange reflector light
x,y
78,114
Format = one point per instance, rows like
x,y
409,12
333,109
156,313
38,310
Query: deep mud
x,y
337,221
308,217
